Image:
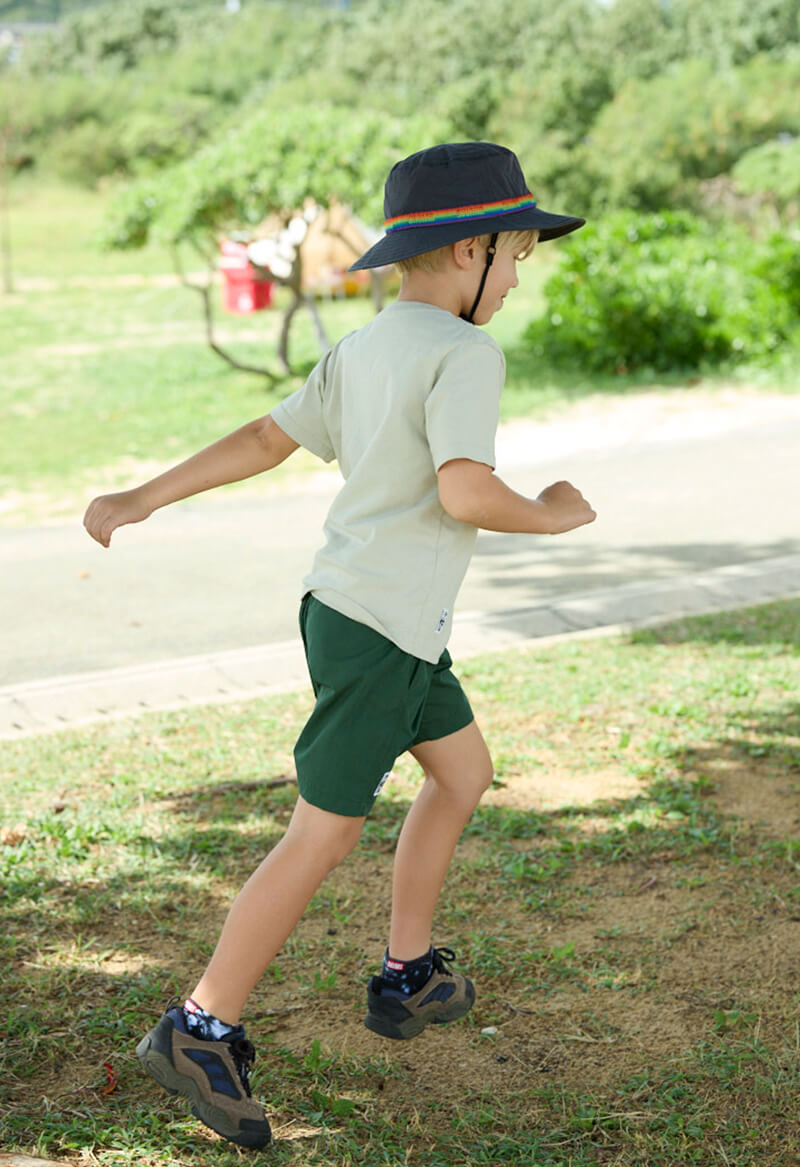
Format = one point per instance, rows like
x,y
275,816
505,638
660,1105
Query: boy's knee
x,y
482,778
333,846
325,837
341,844
478,781
470,784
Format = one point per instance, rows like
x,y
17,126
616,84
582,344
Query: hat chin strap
x,y
491,251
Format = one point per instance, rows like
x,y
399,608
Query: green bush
x,y
665,292
779,264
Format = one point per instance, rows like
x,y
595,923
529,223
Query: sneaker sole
x,y
161,1069
413,1026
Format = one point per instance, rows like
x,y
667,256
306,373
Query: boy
x,y
409,407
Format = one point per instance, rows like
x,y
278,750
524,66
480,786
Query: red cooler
x,y
243,289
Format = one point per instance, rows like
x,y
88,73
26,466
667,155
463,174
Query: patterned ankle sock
x,y
204,1025
407,976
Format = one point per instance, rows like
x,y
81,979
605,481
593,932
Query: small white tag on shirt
x,y
382,783
442,620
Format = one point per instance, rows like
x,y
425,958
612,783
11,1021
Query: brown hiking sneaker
x,y
213,1075
444,997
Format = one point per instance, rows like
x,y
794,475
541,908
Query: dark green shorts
x,y
374,701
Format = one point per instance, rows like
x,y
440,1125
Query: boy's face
x,y
501,279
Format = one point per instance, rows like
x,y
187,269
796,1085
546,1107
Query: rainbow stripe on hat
x,y
460,214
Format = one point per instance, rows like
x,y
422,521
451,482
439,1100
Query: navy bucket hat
x,y
450,192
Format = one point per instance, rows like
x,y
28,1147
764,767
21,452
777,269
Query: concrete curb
x,y
58,703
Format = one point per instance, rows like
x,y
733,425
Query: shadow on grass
x,y
158,890
70,1001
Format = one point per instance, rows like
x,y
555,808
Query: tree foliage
x,y
92,39
631,103
657,138
644,105
97,84
272,165
269,165
773,171
730,32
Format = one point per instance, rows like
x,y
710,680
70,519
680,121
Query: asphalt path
x,y
224,572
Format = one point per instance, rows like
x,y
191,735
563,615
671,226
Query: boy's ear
x,y
465,251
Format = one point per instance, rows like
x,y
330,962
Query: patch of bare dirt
x,y
556,788
659,948
651,951
760,796
653,960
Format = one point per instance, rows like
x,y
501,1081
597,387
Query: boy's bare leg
x,y
269,905
458,770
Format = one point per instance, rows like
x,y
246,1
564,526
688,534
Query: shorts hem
x,y
437,737
317,801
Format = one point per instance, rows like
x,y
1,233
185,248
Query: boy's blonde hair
x,y
522,242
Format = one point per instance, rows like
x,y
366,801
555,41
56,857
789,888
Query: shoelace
x,y
242,1051
439,956
243,1054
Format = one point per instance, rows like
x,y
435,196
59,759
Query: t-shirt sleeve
x,y
463,408
301,415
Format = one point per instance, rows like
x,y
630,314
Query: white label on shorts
x,y
382,783
442,620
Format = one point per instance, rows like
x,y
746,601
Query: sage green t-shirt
x,y
392,402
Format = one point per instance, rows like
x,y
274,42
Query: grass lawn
x,y
627,900
106,376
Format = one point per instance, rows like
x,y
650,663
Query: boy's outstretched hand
x,y
566,507
253,448
110,511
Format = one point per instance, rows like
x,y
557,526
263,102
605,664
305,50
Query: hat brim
x,y
411,241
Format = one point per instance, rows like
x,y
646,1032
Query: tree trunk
x,y
319,327
5,217
286,324
294,283
204,291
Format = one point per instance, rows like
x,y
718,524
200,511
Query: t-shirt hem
x,y
354,611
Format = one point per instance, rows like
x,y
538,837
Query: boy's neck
x,y
436,288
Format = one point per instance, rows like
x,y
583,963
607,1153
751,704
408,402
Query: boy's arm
x,y
470,492
257,446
